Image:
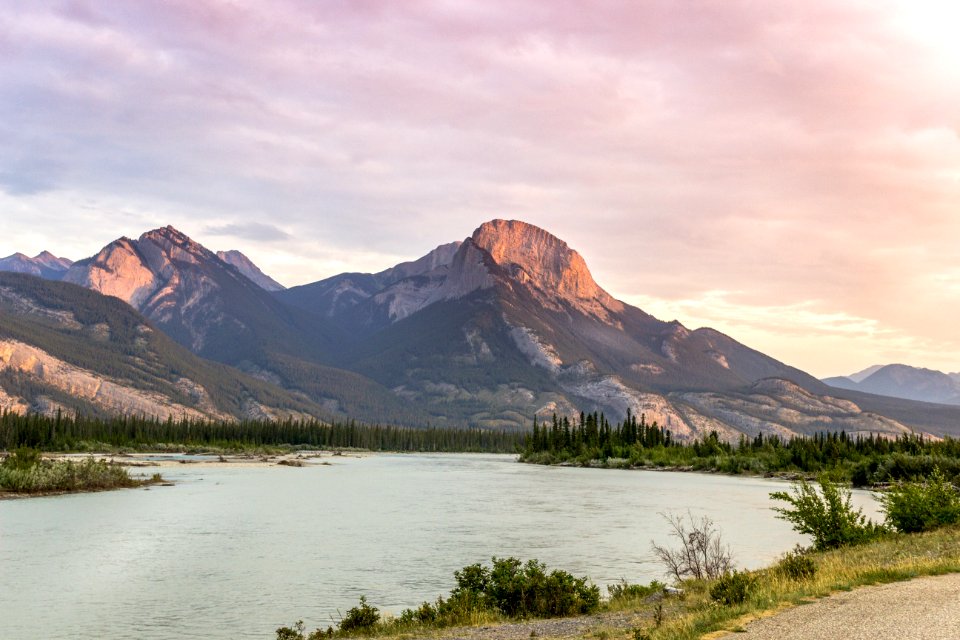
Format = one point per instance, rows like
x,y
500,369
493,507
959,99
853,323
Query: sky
x,y
786,172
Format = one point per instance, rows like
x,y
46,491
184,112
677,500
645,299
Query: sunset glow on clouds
x,y
786,172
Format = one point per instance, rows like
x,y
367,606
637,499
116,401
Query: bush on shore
x,y
912,507
25,472
509,588
827,515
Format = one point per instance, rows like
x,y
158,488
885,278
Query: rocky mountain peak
x,y
246,266
176,245
544,262
47,258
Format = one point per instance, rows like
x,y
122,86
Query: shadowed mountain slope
x,y
64,346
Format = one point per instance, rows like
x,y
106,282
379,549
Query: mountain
x,y
842,382
214,310
510,323
336,297
245,266
44,264
65,347
903,381
489,331
860,376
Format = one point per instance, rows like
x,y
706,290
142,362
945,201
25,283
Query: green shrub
x,y
291,633
509,587
796,565
362,617
527,590
921,506
732,588
426,614
625,591
827,515
22,459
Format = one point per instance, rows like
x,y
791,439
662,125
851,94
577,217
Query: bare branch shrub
x,y
702,553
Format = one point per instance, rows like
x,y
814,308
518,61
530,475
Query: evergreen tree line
x,y
862,459
70,433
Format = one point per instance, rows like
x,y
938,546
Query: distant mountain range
x,y
488,331
45,264
903,381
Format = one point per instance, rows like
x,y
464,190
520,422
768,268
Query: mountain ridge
x,y
44,264
903,381
210,307
489,331
246,266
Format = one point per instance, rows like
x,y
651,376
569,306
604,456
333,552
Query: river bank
x,y
164,459
844,584
26,474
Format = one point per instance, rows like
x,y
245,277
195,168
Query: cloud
x,y
29,175
792,152
256,231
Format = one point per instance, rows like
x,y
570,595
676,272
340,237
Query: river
x,y
235,552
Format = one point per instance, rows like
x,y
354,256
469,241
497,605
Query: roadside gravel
x,y
578,627
920,609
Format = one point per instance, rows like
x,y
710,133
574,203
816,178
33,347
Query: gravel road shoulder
x,y
921,609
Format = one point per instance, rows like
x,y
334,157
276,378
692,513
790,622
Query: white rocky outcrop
x,y
464,274
111,395
538,352
780,407
409,295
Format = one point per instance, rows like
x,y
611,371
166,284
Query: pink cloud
x,y
794,152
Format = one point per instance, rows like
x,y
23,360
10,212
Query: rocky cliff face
x,y
540,261
119,270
